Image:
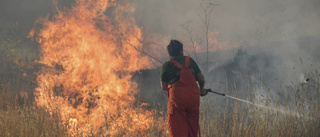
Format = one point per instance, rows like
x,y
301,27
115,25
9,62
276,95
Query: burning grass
x,y
295,112
89,54
18,117
299,116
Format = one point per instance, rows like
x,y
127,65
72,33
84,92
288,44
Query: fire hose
x,y
228,96
209,90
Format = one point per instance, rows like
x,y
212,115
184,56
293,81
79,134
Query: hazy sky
x,y
283,30
245,22
234,19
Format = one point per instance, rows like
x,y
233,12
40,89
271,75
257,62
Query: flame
x,y
89,53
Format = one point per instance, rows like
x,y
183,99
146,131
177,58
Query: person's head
x,y
175,48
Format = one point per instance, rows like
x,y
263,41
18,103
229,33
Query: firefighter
x,y
178,77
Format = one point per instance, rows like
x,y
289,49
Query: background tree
x,y
207,7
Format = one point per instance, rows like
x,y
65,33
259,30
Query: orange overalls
x,y
183,103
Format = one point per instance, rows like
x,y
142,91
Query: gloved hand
x,y
203,92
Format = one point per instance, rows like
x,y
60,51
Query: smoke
x,y
247,23
279,38
286,29
21,15
238,20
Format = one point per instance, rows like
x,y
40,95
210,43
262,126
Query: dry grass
x,y
20,117
297,112
29,121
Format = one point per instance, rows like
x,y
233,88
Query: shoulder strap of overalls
x,y
186,64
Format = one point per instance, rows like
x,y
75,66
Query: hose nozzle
x,y
209,90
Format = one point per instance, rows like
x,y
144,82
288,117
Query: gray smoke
x,y
248,20
287,29
278,38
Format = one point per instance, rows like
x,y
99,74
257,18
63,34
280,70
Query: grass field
x,y
83,63
295,113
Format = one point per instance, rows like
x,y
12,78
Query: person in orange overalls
x,y
179,78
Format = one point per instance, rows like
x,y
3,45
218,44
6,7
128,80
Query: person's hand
x,y
203,92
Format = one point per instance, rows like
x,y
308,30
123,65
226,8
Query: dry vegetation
x,y
296,112
22,120
19,116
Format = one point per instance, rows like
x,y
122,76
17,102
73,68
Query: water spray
x,y
222,94
290,113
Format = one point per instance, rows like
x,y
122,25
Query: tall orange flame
x,y
89,54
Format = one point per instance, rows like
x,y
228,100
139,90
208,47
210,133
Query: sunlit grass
x,y
21,120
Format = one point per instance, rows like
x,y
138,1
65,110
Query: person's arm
x,y
164,86
201,82
163,77
199,77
